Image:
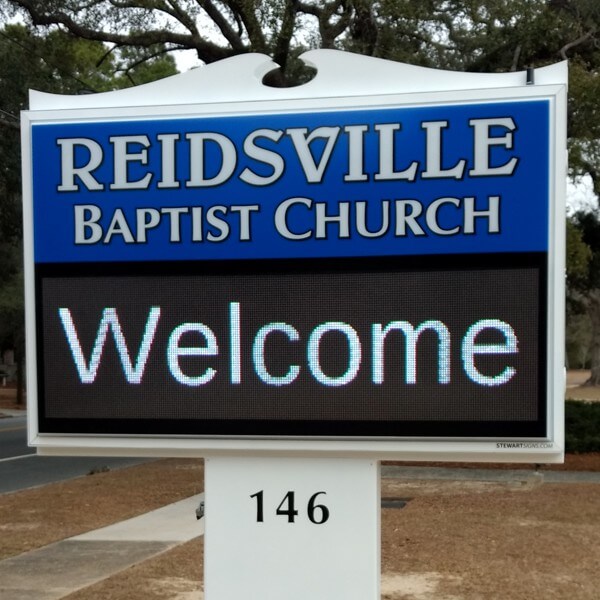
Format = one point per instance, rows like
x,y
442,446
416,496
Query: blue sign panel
x,y
410,181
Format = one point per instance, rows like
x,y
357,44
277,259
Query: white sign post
x,y
292,528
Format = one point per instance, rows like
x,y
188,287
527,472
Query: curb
x,y
489,475
7,413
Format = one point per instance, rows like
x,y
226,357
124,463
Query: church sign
x,y
359,268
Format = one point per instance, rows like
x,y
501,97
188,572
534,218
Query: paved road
x,y
20,468
13,438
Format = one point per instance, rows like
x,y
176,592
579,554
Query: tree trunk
x,y
20,380
593,309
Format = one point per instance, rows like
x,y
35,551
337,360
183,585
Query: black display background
x,y
457,290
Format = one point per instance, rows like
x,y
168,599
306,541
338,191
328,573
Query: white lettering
x,y
323,219
175,213
470,348
407,212
119,226
168,165
281,221
483,141
302,140
411,336
268,157
122,157
433,162
387,154
361,219
245,211
86,222
432,216
492,214
198,161
174,351
146,218
258,354
110,320
356,153
219,224
68,170
314,358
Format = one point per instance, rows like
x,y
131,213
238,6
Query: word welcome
x,y
207,346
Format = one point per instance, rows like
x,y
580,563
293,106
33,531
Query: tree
x,y
579,325
52,61
461,34
12,330
215,29
584,281
578,341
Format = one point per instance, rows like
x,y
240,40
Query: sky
x,y
186,60
580,195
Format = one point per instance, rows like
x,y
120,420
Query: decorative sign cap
x,y
241,77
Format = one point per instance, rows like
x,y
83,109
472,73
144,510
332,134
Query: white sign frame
x,y
216,90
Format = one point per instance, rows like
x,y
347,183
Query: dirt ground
x,y
449,543
452,541
576,390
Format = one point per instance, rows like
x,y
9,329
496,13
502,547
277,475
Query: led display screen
x,y
440,346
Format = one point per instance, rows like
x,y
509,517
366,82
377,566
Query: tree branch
x,y
207,51
233,37
580,40
516,56
282,45
9,124
245,11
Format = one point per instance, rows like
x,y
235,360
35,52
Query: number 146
x,y
317,513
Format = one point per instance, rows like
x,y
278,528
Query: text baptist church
x,y
143,162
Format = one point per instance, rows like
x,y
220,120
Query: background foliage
x,y
76,46
52,61
582,426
